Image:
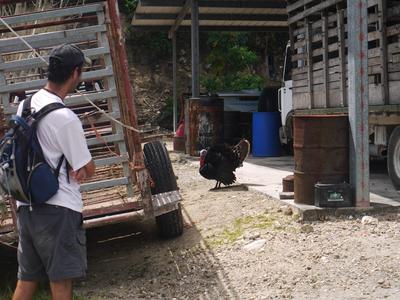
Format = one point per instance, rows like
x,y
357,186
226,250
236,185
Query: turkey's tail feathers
x,y
242,149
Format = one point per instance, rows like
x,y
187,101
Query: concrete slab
x,y
265,175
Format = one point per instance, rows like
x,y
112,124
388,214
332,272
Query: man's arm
x,y
85,172
72,142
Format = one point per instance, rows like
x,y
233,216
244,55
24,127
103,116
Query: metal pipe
x,y
357,23
4,2
174,83
123,62
195,49
114,219
47,24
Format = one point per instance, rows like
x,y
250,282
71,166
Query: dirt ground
x,y
239,244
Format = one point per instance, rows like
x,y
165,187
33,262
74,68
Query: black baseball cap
x,y
70,55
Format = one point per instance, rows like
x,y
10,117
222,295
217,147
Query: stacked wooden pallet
x,y
318,30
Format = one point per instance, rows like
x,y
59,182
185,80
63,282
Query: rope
x,y
80,93
98,134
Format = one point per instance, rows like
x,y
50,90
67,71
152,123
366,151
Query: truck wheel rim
x,y
396,159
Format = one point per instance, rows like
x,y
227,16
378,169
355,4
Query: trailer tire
x,y
159,165
393,161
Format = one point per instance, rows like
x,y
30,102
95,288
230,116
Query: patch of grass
x,y
227,236
42,293
266,220
296,217
244,221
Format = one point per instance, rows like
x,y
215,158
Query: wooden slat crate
x,y
318,31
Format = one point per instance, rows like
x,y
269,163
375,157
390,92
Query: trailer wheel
x,y
393,161
159,165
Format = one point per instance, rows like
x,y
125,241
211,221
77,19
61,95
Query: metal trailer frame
x,y
120,189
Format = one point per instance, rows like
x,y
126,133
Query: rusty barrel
x,y
321,153
205,123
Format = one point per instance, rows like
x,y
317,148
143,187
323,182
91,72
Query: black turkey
x,y
219,162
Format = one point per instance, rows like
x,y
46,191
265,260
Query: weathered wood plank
x,y
309,63
85,187
325,46
36,62
382,6
315,9
374,52
37,84
342,56
56,13
317,79
50,39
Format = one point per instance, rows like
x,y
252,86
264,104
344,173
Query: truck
x,y
315,74
132,180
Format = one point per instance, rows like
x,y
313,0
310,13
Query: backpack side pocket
x,y
42,183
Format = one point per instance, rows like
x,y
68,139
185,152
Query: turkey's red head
x,y
203,154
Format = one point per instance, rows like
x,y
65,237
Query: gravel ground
x,y
239,244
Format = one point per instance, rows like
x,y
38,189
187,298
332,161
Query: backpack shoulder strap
x,y
26,107
47,109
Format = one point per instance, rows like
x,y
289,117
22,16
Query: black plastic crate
x,y
333,195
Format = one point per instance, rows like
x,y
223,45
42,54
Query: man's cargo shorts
x,y
52,243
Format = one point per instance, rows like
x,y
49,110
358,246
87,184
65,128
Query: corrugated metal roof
x,y
213,15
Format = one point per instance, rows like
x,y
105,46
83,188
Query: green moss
x,y
264,221
296,216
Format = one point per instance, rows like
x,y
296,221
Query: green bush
x,y
129,7
165,119
230,63
155,44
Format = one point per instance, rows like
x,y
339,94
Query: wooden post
x,y
123,62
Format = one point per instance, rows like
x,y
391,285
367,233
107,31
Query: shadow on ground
x,y
130,261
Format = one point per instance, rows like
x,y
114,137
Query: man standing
x,y
52,241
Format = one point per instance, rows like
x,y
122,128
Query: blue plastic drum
x,y
266,134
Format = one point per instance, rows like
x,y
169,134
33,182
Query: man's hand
x,y
83,173
79,175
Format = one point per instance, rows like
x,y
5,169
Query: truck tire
x,y
289,133
393,160
159,165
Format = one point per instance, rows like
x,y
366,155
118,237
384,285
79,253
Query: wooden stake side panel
x,y
319,52
111,190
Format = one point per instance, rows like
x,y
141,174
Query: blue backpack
x,y
24,173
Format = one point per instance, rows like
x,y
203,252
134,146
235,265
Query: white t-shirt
x,y
60,132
